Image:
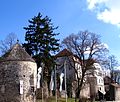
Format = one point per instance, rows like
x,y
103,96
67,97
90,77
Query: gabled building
x,y
92,83
64,60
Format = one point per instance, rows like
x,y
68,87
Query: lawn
x,y
52,99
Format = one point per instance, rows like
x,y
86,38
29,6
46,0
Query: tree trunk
x,y
80,87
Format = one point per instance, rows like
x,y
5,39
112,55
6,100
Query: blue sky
x,y
98,16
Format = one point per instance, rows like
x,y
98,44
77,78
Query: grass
x,y
52,99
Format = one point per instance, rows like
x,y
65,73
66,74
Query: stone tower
x,y
18,72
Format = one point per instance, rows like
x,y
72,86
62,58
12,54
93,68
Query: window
x,y
99,81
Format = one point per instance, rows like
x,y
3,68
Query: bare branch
x,y
8,42
88,49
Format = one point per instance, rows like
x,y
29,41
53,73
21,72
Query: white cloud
x,y
105,45
92,4
106,10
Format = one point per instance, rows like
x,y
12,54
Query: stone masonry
x,y
15,66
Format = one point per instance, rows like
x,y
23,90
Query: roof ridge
x,y
17,53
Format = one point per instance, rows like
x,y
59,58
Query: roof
x,y
64,52
115,85
16,53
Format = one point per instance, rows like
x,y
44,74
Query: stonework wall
x,y
11,72
85,92
117,94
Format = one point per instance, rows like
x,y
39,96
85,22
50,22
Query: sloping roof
x,y
63,53
16,53
115,85
66,52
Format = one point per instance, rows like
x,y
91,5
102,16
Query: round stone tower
x,y
18,72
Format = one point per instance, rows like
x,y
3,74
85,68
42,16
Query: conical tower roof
x,y
17,53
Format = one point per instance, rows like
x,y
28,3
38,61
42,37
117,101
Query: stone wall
x,y
117,93
85,92
11,72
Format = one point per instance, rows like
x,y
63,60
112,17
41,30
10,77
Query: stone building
x,y
68,61
97,82
93,81
114,92
18,72
64,61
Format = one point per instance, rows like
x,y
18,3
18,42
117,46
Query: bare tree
x,y
111,64
8,42
88,48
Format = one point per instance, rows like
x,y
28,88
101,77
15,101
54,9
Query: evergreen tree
x,y
40,40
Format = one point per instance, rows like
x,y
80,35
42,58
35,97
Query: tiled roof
x,y
115,85
16,53
63,53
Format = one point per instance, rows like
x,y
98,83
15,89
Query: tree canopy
x,y
40,39
112,64
88,48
